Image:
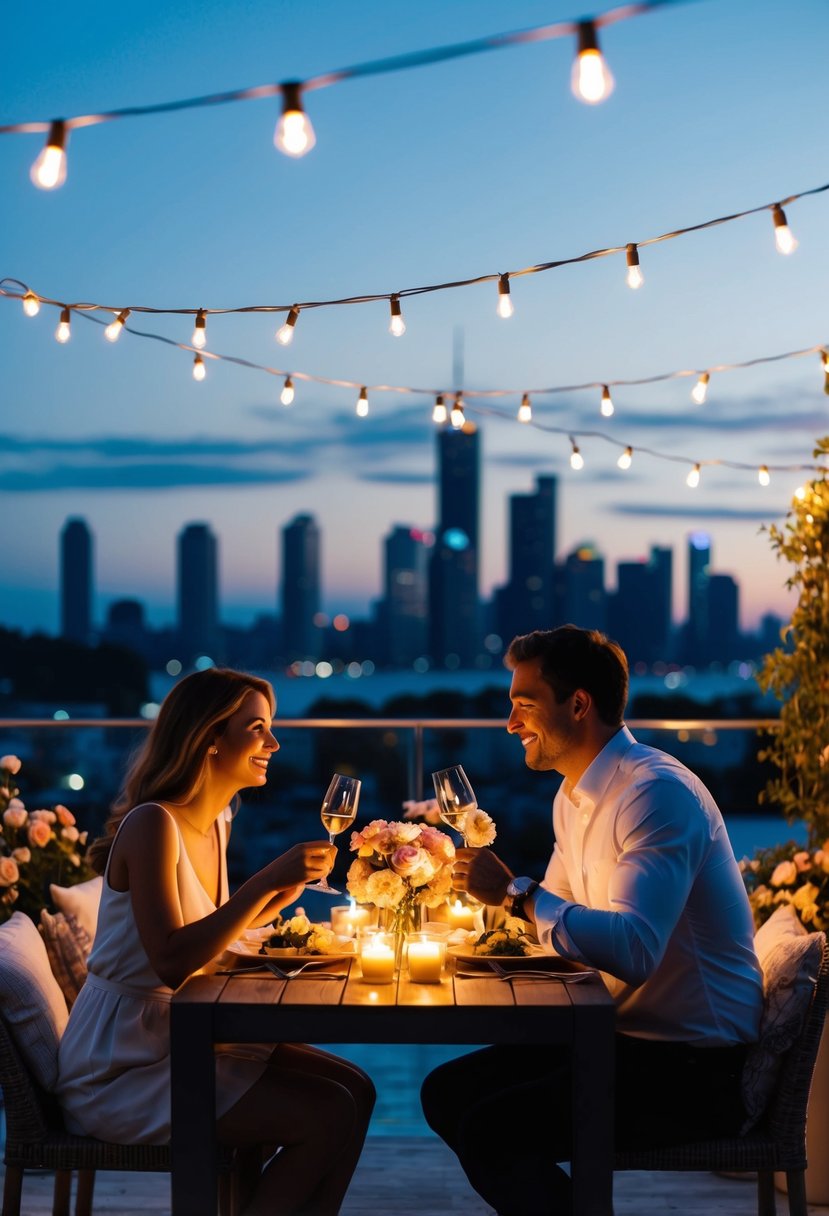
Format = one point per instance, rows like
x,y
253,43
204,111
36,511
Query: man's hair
x,y
574,658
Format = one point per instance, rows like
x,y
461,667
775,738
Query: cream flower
x,y
359,872
364,842
437,844
478,829
15,817
22,855
385,889
785,873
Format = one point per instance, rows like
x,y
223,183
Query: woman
x,y
165,913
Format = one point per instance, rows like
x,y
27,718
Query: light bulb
x,y
626,459
635,277
362,403
692,479
63,331
294,134
606,406
199,338
783,238
591,80
505,308
31,304
113,331
287,394
700,390
439,409
397,325
457,417
763,475
49,170
199,370
576,458
285,333
824,355
525,410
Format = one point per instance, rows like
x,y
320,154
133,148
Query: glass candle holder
x,y
425,957
463,912
375,950
348,920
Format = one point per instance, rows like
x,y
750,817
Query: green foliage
x,y
798,672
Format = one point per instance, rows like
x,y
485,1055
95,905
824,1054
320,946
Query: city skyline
x,y
442,173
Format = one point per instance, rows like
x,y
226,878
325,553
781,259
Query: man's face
x,y
548,731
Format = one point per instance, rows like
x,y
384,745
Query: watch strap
x,y
517,906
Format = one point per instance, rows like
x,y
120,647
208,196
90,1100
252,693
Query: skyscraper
x,y
300,587
454,638
583,599
76,581
697,630
527,601
639,616
406,596
198,593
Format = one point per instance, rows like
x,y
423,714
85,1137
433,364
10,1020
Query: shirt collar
x,y
596,777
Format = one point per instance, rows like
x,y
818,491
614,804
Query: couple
x,y
642,884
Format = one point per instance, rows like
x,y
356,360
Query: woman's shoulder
x,y
150,817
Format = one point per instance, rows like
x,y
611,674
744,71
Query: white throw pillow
x,y
30,998
81,901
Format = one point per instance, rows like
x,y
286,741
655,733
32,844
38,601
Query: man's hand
x,y
482,874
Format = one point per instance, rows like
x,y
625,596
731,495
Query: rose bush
x,y
789,874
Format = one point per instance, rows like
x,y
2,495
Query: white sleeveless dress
x,y
114,1059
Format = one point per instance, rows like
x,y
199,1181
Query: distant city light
x,y
367,667
323,669
354,671
420,665
321,620
341,622
173,668
60,715
75,781
493,643
203,662
456,538
149,710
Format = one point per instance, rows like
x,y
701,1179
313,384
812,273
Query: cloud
x,y
399,477
681,511
141,477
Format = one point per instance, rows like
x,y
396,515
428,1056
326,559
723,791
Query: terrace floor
x,y
418,1176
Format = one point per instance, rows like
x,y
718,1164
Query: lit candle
x,y
376,959
348,919
461,916
425,960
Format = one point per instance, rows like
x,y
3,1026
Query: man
x,y
643,885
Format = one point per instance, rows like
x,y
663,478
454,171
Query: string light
x,y
783,238
576,458
439,409
285,333
635,278
505,305
49,170
457,416
31,304
692,479
113,331
824,356
199,338
199,370
606,407
63,332
763,475
362,403
287,394
591,79
397,325
294,134
626,459
700,390
525,410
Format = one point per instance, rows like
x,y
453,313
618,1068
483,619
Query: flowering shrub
x,y
789,874
36,848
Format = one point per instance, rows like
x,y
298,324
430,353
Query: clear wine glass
x,y
339,809
455,797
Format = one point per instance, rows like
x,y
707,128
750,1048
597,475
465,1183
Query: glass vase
x,y
407,917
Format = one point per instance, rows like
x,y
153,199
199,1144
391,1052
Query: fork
x,y
268,964
501,973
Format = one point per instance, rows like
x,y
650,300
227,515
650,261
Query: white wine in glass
x,y
339,809
455,797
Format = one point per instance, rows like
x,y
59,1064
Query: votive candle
x,y
460,915
376,959
425,957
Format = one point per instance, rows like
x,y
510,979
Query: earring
x,y
212,751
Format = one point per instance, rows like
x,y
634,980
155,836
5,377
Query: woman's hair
x,y
574,658
171,763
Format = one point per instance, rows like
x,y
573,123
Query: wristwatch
x,y
519,890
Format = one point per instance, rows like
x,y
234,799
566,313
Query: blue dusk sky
x,y
470,167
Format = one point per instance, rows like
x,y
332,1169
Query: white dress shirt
x,y
643,885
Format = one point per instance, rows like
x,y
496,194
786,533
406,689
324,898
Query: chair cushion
x,y
67,946
790,958
80,901
30,998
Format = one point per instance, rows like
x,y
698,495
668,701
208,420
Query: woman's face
x,y
246,744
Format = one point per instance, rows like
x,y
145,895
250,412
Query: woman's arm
x,y
148,851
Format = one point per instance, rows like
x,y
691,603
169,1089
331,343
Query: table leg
x,y
591,1168
194,1148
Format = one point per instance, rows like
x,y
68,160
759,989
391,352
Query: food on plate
x,y
305,937
510,938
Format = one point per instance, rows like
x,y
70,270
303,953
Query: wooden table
x,y
212,1008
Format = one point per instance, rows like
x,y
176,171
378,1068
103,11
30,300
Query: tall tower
x,y
406,596
584,599
198,593
300,587
527,601
76,581
453,577
697,632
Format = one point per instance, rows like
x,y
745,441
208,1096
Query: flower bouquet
x,y
789,874
36,848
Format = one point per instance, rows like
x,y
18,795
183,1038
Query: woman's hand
x,y
304,863
482,873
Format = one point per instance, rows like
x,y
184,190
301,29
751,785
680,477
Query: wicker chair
x,y
779,1141
36,1140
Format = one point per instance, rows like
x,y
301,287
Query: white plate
x,y
537,960
251,949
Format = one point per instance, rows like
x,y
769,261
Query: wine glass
x,y
339,808
455,797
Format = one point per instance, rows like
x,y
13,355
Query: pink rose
x,y
65,817
15,817
70,833
9,872
407,860
22,855
803,862
39,833
784,874
46,816
12,764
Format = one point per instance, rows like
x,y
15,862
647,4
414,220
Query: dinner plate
x,y
536,961
251,949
